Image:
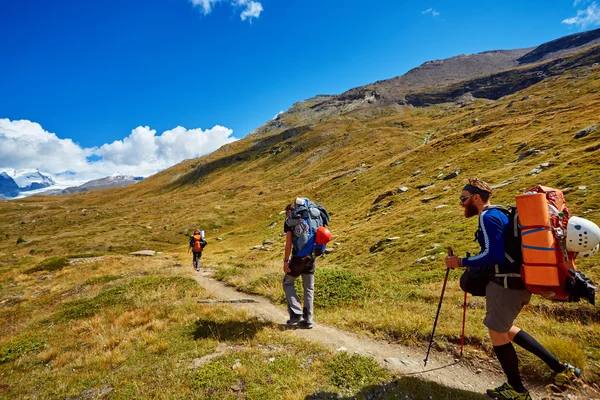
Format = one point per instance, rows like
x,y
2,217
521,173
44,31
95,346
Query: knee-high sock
x,y
510,364
527,342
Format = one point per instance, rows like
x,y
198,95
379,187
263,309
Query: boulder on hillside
x,y
584,132
143,253
383,196
452,174
530,152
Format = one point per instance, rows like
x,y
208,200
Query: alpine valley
x,y
388,160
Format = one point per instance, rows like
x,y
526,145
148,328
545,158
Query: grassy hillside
x,y
382,279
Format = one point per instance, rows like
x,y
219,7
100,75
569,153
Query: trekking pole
x,y
462,336
450,253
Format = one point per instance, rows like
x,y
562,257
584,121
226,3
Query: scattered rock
x,y
452,174
273,225
237,365
530,152
256,247
83,212
479,370
428,199
375,247
417,172
143,253
402,189
166,227
148,227
267,241
582,188
426,188
396,163
584,132
446,188
383,196
219,238
521,147
425,185
505,183
440,206
465,100
328,251
265,248
422,259
282,212
336,243
391,239
476,122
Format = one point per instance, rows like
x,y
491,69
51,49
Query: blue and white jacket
x,y
490,236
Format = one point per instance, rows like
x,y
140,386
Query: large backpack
x,y
197,243
548,269
306,218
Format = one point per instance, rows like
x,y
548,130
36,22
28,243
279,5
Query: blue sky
x,y
98,72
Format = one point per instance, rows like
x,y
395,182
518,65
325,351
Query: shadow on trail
x,y
228,330
404,388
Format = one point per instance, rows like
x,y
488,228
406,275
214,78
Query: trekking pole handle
x,y
450,251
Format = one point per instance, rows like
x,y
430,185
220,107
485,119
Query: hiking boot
x,y
507,392
294,320
305,325
570,373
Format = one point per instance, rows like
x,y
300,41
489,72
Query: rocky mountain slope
x,y
390,175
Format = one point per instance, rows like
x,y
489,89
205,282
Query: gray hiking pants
x,y
294,308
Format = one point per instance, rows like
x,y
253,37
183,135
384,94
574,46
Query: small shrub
x,y
85,255
50,264
99,280
213,376
354,371
18,347
225,272
335,287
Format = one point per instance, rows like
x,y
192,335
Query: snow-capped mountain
x,y
31,179
8,187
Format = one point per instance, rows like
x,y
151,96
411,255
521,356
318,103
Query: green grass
x,y
385,293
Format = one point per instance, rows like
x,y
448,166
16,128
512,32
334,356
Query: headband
x,y
475,190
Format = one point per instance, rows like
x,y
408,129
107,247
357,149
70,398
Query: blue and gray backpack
x,y
305,219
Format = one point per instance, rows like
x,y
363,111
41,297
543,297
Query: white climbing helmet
x,y
588,254
582,235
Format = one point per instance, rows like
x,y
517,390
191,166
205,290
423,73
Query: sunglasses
x,y
465,198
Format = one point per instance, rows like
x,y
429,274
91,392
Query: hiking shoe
x,y
507,392
305,325
294,320
570,373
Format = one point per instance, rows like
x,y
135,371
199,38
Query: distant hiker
x,y
505,296
197,244
303,219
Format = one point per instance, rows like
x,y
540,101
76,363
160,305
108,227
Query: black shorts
x,y
302,265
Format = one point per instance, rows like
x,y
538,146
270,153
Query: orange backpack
x,y
197,243
543,216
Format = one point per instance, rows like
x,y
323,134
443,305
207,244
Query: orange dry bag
x,y
543,215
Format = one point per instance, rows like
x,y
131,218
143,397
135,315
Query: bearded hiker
x,y
505,295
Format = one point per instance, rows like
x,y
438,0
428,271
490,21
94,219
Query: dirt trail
x,y
402,360
397,358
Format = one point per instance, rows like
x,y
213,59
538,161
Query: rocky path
x,y
402,360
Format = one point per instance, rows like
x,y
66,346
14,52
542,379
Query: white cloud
x,y
26,145
252,9
431,11
584,18
206,5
